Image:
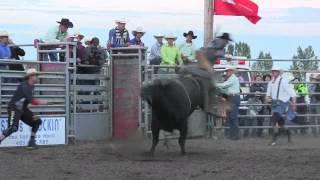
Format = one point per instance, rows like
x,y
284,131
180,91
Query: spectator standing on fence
x,y
279,93
231,87
137,34
94,55
257,98
301,91
18,108
155,54
5,52
57,34
80,51
16,53
119,36
170,54
188,48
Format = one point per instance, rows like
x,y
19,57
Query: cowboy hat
x,y
158,36
274,68
138,30
31,72
191,34
4,34
230,67
170,36
121,21
225,36
66,22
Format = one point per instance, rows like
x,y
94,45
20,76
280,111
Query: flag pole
x,y
208,21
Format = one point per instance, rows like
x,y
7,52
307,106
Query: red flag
x,y
245,8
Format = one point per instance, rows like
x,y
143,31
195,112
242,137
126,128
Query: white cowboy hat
x,y
158,35
4,34
275,68
170,36
121,21
31,72
138,30
230,67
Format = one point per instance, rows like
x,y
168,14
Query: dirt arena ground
x,y
207,159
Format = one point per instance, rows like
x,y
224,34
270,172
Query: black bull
x,y
172,102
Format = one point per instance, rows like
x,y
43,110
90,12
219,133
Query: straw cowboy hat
x,y
4,34
171,36
138,30
158,36
66,22
30,72
191,34
121,21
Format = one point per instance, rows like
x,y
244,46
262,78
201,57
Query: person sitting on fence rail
x,y
279,93
94,55
155,54
18,108
170,54
119,36
301,91
188,48
57,34
137,34
5,52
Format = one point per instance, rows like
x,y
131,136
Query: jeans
x,y
232,117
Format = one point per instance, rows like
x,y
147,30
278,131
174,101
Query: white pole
x,y
208,21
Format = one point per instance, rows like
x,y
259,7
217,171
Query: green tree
x,y
263,65
306,54
239,49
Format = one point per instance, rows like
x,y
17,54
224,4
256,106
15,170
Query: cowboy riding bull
x,y
173,100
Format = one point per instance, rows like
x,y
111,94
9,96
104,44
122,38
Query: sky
x,y
285,24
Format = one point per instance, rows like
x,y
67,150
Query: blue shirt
x,y
5,52
136,42
118,38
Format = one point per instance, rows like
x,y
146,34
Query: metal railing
x,y
311,119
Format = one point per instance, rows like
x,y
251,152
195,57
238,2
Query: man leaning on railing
x,y
56,34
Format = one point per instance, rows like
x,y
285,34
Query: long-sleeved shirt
x,y
215,49
230,86
170,55
156,51
22,96
55,35
188,50
136,42
118,38
286,90
5,52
